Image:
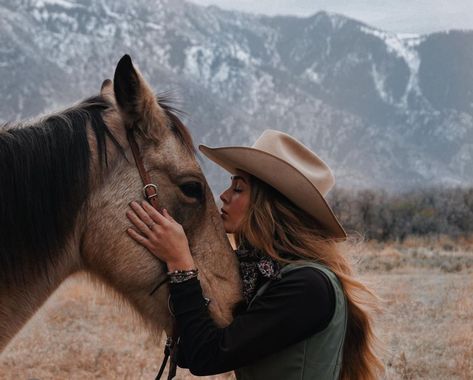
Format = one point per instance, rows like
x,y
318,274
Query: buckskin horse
x,y
65,185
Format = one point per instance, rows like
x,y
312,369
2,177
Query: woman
x,y
304,318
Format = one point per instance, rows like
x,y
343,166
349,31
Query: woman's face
x,y
236,201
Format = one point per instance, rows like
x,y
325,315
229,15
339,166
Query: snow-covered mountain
x,y
384,110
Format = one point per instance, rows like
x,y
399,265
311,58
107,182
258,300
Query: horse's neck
x,y
18,303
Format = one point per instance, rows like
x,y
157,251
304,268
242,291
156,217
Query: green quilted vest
x,y
317,357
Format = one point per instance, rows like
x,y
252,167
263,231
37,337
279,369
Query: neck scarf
x,y
256,268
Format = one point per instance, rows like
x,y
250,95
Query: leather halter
x,y
150,192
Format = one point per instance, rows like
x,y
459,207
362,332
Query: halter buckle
x,y
152,185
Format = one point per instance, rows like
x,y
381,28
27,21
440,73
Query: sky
x,y
401,16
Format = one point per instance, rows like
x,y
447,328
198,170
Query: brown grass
x,y
427,326
81,333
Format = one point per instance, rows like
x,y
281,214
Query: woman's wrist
x,y
182,270
179,276
182,264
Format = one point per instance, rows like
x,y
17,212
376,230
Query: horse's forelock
x,y
175,123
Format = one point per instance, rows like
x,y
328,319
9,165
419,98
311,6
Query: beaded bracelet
x,y
178,276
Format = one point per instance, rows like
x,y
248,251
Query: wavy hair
x,y
274,225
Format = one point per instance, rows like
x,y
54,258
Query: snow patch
x,y
241,55
379,82
222,74
198,61
403,45
109,12
409,36
312,75
61,3
336,20
154,26
394,44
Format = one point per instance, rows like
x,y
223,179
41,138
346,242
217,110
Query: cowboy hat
x,y
290,167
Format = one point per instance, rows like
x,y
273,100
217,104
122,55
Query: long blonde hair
x,y
274,224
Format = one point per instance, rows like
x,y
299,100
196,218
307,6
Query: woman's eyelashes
x,y
236,186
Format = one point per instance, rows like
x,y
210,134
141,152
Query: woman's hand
x,y
161,235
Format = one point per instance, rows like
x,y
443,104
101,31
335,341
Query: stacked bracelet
x,y
178,276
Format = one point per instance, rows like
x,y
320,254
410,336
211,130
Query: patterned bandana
x,y
256,268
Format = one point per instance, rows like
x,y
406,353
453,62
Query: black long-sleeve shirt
x,y
291,309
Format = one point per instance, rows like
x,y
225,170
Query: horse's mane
x,y
44,177
44,182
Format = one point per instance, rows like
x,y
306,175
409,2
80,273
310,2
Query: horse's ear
x,y
107,83
106,91
135,99
126,85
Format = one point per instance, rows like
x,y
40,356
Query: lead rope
x,y
150,192
170,351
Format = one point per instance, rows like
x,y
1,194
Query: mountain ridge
x,y
385,111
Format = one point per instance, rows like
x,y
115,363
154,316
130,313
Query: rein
x,y
150,193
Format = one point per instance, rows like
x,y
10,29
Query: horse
x,y
66,181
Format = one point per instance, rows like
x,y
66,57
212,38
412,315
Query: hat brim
x,y
282,176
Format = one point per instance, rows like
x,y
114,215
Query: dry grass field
x,y
426,328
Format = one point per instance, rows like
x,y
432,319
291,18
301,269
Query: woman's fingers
x,y
148,214
138,222
166,240
152,212
142,213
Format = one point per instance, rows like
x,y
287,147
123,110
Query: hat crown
x,y
293,152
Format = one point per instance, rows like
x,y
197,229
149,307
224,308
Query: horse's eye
x,y
192,190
